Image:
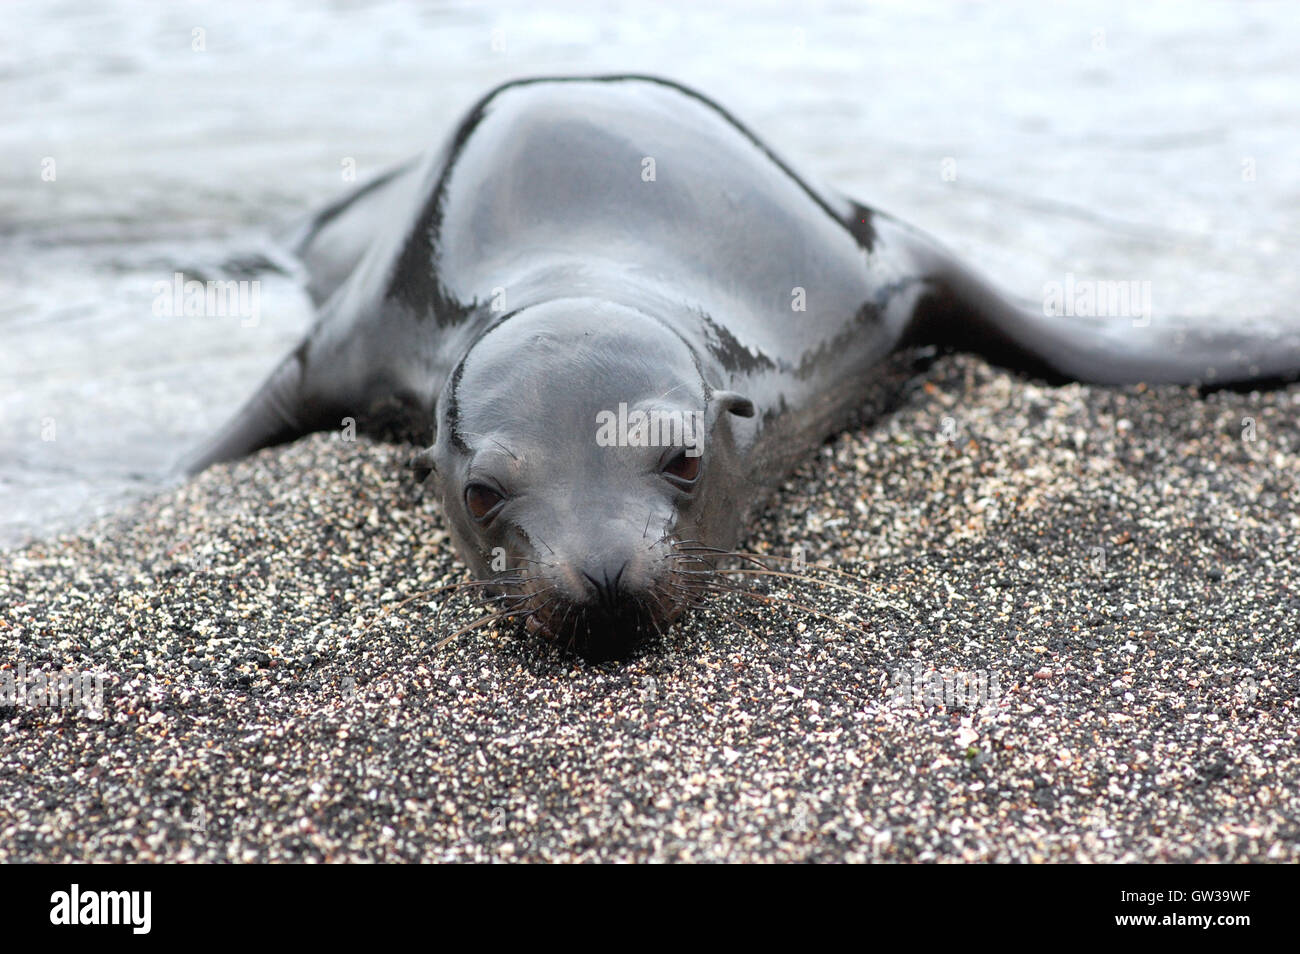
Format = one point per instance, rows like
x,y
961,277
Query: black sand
x,y
1124,562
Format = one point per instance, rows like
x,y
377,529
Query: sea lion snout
x,y
605,579
601,594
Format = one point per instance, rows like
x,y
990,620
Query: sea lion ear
x,y
734,403
423,464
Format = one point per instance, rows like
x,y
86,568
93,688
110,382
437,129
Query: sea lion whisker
x,y
668,532
706,606
698,545
484,621
392,607
525,598
663,606
516,580
536,562
699,558
777,600
747,571
689,596
757,558
536,611
564,620
764,570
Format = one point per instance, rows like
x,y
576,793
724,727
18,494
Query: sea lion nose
x,y
606,579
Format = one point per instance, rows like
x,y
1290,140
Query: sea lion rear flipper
x,y
964,312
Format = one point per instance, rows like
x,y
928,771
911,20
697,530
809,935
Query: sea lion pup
x,y
587,258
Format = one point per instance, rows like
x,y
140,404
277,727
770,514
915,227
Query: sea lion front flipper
x,y
332,240
361,360
273,415
334,378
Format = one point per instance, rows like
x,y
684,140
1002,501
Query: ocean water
x,y
1110,140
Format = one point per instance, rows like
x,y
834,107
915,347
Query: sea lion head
x,y
580,452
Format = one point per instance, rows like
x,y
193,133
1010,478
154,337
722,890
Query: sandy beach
x,y
1115,571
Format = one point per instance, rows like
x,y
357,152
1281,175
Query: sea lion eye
x,y
481,500
683,467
